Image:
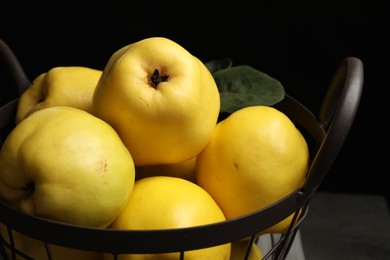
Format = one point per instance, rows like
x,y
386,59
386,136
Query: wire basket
x,y
325,134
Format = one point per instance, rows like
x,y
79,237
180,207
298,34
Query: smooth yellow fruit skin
x,y
60,86
239,249
255,157
65,164
164,202
166,124
185,170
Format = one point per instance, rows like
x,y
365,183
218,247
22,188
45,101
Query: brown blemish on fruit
x,y
236,166
103,167
144,101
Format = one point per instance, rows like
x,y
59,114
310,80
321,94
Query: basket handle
x,y
336,115
15,70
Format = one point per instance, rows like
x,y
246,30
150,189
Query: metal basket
x,y
324,132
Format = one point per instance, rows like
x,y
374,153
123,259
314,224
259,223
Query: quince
x,y
161,99
65,85
64,164
255,157
164,202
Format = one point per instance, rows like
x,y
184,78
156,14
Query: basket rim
x,y
329,131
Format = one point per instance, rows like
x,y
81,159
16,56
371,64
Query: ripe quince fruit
x,y
164,202
60,86
64,164
255,157
161,99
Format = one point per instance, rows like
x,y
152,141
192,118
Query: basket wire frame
x,y
324,132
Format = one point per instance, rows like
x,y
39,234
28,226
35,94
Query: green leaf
x,y
215,65
242,86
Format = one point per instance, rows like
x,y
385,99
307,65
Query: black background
x,y
302,52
